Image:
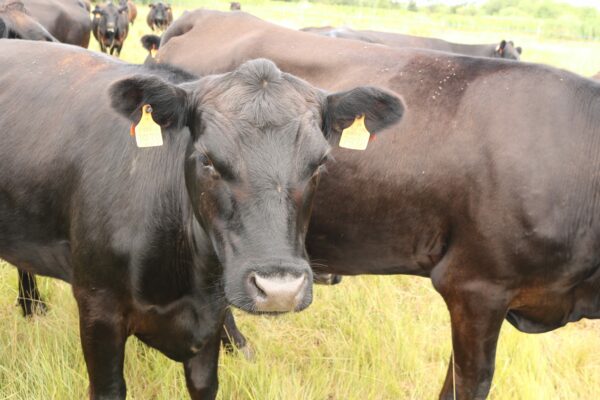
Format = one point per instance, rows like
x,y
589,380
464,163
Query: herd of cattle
x,y
483,176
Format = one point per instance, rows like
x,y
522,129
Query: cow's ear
x,y
380,109
170,103
519,50
500,47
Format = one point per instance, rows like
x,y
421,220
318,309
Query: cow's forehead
x,y
259,94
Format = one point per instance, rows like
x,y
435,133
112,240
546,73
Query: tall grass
x,y
368,338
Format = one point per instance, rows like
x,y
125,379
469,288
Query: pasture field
x,y
368,338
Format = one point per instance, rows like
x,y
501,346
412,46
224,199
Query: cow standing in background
x,y
235,6
66,20
131,10
504,49
110,27
17,23
160,16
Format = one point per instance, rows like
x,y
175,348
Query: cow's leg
x,y
231,337
103,336
29,297
201,370
476,318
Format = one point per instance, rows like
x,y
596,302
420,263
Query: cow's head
x,y
160,15
108,19
16,23
508,50
258,143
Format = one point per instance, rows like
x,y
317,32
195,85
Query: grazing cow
x,y
156,241
110,27
235,6
67,20
131,10
16,23
160,16
502,214
504,49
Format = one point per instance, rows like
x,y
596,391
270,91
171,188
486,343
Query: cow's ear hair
x,y
519,50
380,108
170,103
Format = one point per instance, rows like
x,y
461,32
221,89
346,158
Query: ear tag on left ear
x,y
356,136
147,132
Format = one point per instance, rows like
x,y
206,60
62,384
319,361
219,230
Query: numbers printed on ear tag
x,y
147,132
356,136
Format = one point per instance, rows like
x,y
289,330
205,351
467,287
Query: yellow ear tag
x,y
147,132
356,136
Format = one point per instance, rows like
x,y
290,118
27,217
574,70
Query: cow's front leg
x,y
201,370
103,336
476,318
232,338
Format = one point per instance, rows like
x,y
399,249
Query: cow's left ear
x,y
380,108
169,102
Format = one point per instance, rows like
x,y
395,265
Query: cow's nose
x,y
277,293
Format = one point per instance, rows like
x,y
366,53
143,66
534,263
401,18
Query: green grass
x,y
368,338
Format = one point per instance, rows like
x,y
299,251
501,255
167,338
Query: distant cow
x,y
504,49
157,241
110,27
16,23
160,16
67,20
151,43
131,10
489,187
235,6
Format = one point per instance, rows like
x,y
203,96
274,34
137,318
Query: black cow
x,y
235,6
67,20
110,27
503,49
156,241
501,213
160,16
17,23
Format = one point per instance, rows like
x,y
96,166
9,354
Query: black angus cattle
x,y
501,213
67,20
156,241
16,23
110,27
151,43
160,16
503,49
131,10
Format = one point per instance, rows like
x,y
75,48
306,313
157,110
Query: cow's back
x,y
66,20
481,161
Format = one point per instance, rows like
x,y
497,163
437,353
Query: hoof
x,y
32,307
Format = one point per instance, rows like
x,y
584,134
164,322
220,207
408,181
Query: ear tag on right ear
x,y
356,136
147,132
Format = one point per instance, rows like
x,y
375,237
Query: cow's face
x,y
258,146
108,17
508,50
159,15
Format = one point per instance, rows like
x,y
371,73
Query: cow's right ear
x,y
170,104
380,109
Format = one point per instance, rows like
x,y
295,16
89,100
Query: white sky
x,y
594,3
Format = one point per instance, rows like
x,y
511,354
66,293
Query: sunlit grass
x,y
368,338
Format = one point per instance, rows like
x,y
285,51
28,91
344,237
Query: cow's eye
x,y
204,160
